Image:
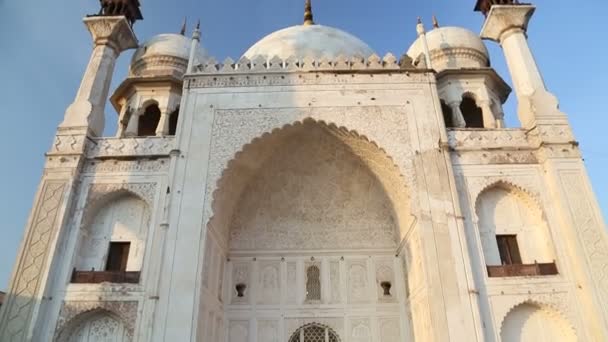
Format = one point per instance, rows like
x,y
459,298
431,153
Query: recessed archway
x,y
305,192
302,137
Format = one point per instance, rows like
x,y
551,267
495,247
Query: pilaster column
x,y
457,117
122,122
489,121
507,25
111,36
133,125
163,124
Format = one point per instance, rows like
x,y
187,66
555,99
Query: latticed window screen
x,y
313,283
314,333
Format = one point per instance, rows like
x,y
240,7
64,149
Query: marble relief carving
x,y
358,287
268,331
126,310
123,147
238,331
268,284
26,286
588,227
334,277
389,329
292,296
230,136
360,330
241,278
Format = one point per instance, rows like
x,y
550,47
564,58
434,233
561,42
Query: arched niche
x,y
149,119
529,322
471,112
504,210
297,186
95,326
120,217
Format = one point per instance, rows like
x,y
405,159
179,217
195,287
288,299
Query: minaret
x,y
24,315
112,34
565,176
506,23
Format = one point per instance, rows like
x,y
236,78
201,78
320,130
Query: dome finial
x,y
435,22
183,30
308,17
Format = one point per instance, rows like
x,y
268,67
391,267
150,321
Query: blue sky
x,y
44,49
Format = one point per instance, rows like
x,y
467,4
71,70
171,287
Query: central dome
x,y
314,41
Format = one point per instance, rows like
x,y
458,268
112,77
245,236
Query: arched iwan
x,y
250,159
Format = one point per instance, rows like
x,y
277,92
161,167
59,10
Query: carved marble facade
x,y
313,199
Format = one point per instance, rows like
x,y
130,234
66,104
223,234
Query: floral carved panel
x,y
589,228
126,310
128,147
26,286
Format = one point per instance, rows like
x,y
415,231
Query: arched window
x,y
148,121
314,333
112,242
514,235
313,283
173,121
447,114
472,114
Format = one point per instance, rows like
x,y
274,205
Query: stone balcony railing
x,y
531,270
98,277
130,147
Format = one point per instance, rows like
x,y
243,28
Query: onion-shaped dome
x,y
452,48
311,40
164,55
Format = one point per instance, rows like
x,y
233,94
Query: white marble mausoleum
x,y
312,191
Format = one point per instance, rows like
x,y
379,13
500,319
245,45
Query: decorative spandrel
x,y
484,6
128,8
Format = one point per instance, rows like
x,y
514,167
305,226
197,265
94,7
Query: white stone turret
x,y
507,25
111,36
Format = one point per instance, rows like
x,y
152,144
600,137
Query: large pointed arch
x,y
252,156
105,319
515,326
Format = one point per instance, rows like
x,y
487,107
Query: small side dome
x,y
314,41
164,55
452,48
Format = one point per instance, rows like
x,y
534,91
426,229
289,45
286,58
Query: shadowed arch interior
x,y
242,170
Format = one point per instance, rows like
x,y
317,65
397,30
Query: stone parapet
x,y
260,64
130,147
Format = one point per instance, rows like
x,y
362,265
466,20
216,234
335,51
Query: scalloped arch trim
x,y
314,325
240,169
549,310
512,186
65,330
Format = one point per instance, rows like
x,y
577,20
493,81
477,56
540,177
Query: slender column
x,y
422,36
122,125
196,38
489,121
163,124
133,125
507,25
457,117
111,36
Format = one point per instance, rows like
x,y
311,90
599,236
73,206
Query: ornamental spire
x,y
183,30
435,22
308,17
